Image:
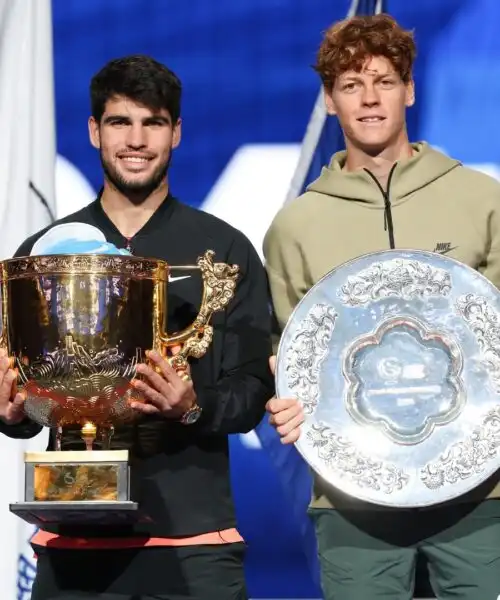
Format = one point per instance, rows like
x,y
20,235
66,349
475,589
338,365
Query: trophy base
x,y
41,513
78,488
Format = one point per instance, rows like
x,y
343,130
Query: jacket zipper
x,y
388,223
129,245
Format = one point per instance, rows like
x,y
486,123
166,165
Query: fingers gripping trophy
x,y
85,343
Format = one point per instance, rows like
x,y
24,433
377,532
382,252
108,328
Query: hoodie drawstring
x,y
388,223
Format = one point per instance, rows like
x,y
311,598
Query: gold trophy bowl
x,y
75,327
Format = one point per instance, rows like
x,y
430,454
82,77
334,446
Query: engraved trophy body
x,y
75,327
395,357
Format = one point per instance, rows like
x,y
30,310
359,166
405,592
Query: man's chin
x,y
373,147
137,190
136,185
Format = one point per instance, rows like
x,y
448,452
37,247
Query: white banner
x,y
27,156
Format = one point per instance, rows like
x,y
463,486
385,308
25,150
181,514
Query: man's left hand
x,y
167,392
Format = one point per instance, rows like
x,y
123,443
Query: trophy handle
x,y
219,283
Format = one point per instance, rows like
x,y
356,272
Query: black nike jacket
x,y
180,474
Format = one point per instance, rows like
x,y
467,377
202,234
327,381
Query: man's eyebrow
x,y
378,75
157,118
149,119
116,117
370,72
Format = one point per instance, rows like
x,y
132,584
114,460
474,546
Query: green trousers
x,y
371,554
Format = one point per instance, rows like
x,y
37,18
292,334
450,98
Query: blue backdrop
x,y
245,66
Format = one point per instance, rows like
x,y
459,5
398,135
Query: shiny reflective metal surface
x,y
76,326
395,357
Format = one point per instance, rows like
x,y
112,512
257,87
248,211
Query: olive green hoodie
x,y
432,203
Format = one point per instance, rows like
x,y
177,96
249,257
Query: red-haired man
x,y
384,191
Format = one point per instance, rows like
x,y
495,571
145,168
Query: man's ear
x,y
177,133
329,103
94,133
410,94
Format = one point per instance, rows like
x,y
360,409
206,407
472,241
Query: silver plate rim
x,y
334,482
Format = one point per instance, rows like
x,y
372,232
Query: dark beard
x,y
136,192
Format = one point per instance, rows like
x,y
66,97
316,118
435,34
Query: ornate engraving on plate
x,y
470,456
404,379
306,352
399,278
467,458
341,455
484,321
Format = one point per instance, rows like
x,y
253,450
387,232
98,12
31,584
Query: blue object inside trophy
x,y
75,238
74,246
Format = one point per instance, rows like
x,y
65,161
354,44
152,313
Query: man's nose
x,y
136,137
370,96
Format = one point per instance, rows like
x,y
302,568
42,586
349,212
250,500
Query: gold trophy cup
x,y
75,327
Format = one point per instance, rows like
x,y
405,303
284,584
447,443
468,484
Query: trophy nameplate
x,y
395,357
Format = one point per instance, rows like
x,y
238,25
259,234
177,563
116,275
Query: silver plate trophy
x,y
395,357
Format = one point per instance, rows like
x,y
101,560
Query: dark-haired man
x,y
180,466
383,192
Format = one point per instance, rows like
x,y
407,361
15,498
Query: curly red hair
x,y
348,44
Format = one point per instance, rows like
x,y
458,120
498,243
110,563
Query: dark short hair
x,y
140,78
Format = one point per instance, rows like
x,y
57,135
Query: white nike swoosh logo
x,y
171,279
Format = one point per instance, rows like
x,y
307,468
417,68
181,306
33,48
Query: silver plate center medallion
x,y
404,379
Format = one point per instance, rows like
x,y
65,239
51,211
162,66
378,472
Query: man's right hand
x,y
285,414
11,403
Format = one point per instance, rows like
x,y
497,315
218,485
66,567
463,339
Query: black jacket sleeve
x,y
26,428
22,431
236,404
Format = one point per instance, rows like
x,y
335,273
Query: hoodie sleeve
x,y
286,267
491,265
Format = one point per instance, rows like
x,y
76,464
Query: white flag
x,y
27,121
27,203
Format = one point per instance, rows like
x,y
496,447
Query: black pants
x,y
187,573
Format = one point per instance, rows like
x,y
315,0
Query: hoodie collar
x,y
425,166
